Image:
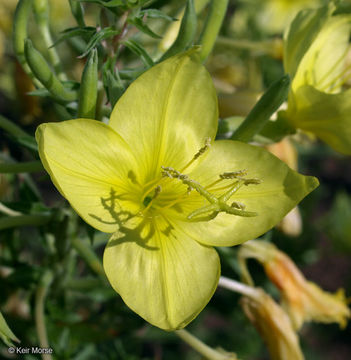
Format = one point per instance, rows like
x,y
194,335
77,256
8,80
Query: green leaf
x,y
114,86
258,117
5,332
156,14
139,24
96,39
140,51
108,4
74,32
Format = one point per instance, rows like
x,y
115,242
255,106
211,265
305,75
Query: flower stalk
x,y
203,349
41,12
237,286
20,24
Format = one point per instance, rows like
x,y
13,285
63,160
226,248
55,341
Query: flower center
x,y
217,203
165,196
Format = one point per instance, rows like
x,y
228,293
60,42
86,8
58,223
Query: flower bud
x,y
89,87
45,75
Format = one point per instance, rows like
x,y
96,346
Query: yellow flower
x,y
274,325
128,178
304,300
315,56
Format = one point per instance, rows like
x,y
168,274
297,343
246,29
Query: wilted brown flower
x,y
303,300
274,325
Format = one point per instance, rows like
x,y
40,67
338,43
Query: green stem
x,y
83,284
12,128
270,47
20,24
41,11
88,254
263,110
53,55
39,311
23,220
26,167
212,26
202,348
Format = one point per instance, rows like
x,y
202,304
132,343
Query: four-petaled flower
x,y
153,178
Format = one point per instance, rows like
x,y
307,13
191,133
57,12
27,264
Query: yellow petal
x,y
326,115
89,163
301,33
280,191
323,64
167,113
164,275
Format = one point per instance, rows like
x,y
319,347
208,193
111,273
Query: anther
x,y
233,174
204,148
253,181
199,153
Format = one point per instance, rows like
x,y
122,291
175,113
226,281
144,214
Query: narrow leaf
x,y
140,51
139,24
104,34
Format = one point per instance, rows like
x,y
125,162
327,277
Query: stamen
x,y
253,181
225,176
233,174
198,154
217,204
203,149
172,173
